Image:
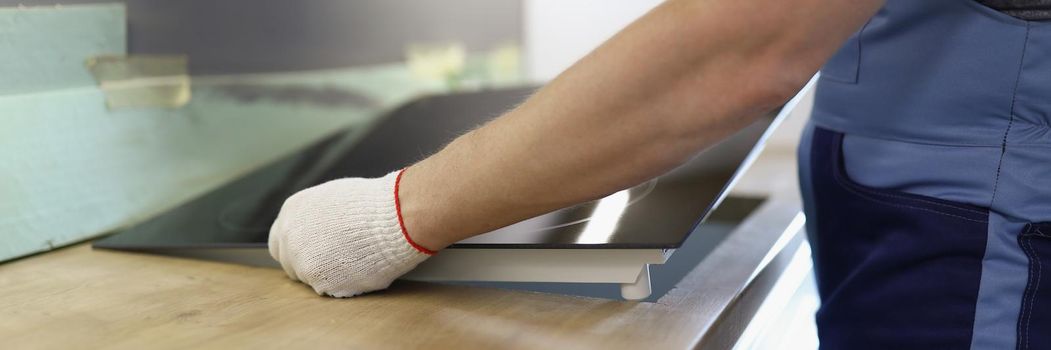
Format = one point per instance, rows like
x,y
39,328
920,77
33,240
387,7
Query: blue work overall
x,y
926,176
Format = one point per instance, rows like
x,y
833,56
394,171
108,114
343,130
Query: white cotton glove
x,y
345,237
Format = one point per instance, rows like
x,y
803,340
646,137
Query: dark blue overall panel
x,y
895,270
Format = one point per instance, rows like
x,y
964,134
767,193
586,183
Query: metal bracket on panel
x,y
142,80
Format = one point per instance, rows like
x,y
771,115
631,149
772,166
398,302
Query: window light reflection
x,y
604,219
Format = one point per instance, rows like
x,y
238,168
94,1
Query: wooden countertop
x,y
83,298
77,297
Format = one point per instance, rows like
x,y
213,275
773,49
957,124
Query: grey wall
x,y
242,36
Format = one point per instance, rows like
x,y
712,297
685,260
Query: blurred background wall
x,y
247,36
557,33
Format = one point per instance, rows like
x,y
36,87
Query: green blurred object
x,y
458,70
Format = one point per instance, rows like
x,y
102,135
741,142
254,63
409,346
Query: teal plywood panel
x,y
45,48
70,169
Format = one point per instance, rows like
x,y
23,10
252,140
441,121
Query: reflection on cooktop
x,y
656,214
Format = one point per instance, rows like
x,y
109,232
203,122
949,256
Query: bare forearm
x,y
681,78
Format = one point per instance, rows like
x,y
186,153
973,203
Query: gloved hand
x,y
345,237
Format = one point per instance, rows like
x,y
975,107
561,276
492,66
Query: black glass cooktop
x,y
655,214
